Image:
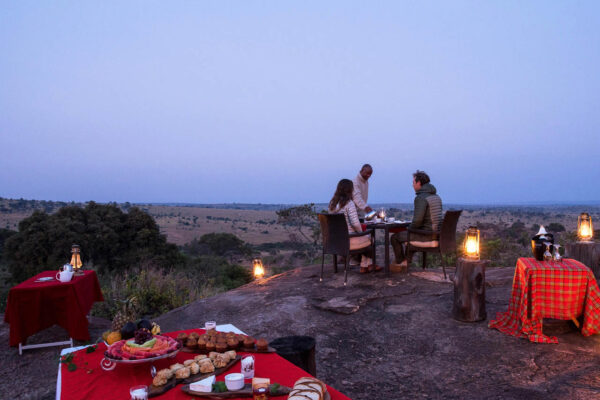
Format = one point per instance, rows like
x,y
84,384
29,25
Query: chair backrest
x,y
448,231
335,233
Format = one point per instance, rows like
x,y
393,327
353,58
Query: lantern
x,y
258,269
585,229
76,258
472,243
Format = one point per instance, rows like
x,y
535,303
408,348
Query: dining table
x,y
91,382
43,301
565,289
387,227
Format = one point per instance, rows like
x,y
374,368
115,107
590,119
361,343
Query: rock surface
x,y
380,337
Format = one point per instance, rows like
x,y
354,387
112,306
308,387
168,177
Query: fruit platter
x,y
143,347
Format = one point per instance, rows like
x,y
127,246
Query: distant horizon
x,y
595,203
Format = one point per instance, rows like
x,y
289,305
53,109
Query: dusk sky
x,y
275,101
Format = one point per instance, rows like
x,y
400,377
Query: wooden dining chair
x,y
443,241
336,241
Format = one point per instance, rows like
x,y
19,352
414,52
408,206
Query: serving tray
x,y
186,349
246,391
171,383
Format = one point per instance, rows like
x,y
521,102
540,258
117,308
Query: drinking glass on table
x,y
139,392
556,254
548,252
209,325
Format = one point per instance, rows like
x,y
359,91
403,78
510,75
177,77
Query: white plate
x,y
45,279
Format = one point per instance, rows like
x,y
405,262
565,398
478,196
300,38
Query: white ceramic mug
x,y
64,276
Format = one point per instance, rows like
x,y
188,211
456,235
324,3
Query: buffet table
x,y
33,306
115,384
548,289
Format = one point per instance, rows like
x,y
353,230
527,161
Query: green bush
x,y
157,290
109,238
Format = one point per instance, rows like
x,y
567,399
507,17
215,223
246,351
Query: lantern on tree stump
x,y
258,268
76,259
472,243
585,228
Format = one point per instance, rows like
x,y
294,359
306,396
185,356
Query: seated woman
x,y
341,202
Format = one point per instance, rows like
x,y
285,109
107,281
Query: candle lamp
x,y
76,259
471,246
585,228
258,268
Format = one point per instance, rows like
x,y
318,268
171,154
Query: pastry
x,y
221,347
191,343
249,342
159,381
182,373
194,335
211,346
182,336
221,361
233,343
194,368
175,367
200,357
166,373
201,344
212,355
232,354
206,366
162,377
187,363
262,345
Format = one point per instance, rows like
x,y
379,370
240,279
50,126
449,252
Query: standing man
x,y
427,216
360,194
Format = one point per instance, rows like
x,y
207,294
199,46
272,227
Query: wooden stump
x,y
586,253
469,290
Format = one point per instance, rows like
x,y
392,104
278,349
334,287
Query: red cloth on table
x,y
115,384
547,289
34,306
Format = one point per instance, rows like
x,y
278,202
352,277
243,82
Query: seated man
x,y
427,216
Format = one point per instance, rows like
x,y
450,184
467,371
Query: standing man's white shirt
x,y
360,195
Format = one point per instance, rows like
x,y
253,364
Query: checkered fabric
x,y
547,289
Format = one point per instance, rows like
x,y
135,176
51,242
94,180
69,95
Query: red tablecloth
x,y
546,289
115,384
34,306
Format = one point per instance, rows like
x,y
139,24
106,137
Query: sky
x,y
276,101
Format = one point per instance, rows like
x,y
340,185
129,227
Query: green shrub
x,y
157,290
109,238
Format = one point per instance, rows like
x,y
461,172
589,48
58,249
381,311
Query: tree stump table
x,y
469,290
587,253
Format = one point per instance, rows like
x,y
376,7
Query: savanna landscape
x,y
183,264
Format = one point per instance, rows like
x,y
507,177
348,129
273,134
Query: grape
x,y
142,336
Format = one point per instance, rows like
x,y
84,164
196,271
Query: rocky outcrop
x,y
379,338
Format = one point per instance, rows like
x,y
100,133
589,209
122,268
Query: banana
x,y
155,328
